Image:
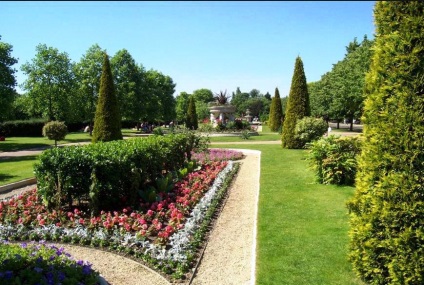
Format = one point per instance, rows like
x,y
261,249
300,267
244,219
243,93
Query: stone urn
x,y
221,110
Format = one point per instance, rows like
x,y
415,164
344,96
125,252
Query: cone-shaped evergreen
x,y
387,211
275,112
297,106
107,120
191,121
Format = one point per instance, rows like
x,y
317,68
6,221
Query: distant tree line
x,y
58,89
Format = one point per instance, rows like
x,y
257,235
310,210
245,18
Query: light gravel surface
x,y
229,254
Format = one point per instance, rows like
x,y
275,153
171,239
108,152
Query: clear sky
x,y
215,45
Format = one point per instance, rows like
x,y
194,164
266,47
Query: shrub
x,y
275,112
334,159
191,121
309,129
245,135
55,130
107,119
297,106
158,131
387,212
109,174
205,128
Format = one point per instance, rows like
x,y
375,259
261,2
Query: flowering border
x,y
174,260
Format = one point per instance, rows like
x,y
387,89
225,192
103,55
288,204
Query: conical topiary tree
x,y
107,119
297,106
191,121
275,112
387,211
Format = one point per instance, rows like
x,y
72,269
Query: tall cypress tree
x,y
275,112
387,211
107,120
297,106
191,121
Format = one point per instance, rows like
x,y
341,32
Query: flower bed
x,y
165,233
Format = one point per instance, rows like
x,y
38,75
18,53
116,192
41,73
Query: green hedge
x,y
334,159
109,175
23,128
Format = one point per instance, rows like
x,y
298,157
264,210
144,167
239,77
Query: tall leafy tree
x,y
203,95
50,83
161,101
107,120
182,106
7,80
297,106
386,213
88,72
348,82
129,81
191,121
276,112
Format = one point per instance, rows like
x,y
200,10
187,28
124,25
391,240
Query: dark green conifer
x,y
275,112
387,211
107,120
297,106
191,121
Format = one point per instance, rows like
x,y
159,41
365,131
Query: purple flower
x,y
38,269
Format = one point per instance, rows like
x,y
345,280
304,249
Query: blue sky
x,y
214,45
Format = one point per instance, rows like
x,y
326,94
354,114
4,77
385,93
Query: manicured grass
x,y
23,143
16,169
260,137
302,225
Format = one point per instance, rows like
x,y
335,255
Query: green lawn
x,y
16,169
302,225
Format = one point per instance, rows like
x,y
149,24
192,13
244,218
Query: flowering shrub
x,y
38,263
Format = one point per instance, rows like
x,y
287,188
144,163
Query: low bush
x,y
334,159
309,129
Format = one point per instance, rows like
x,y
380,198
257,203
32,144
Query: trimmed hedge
x,y
23,128
109,175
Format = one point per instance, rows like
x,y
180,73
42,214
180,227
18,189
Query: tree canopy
x,y
7,79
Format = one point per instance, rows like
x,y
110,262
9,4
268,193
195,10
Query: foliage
x,y
23,128
39,263
158,131
309,129
245,134
109,172
7,80
88,72
339,92
130,84
203,95
221,98
55,130
50,84
182,106
334,159
275,112
257,103
386,213
191,120
297,106
160,102
107,120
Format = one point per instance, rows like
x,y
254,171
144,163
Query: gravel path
x,y
229,257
